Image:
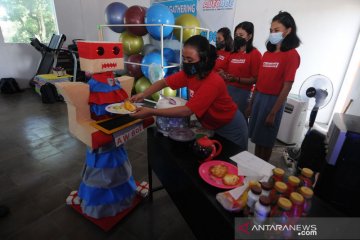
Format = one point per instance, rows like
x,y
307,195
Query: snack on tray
x,y
218,170
231,179
129,106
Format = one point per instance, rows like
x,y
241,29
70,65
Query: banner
x,y
215,14
212,14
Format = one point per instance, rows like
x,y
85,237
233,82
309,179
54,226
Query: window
x,y
24,19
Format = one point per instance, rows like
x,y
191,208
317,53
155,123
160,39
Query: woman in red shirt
x,y
242,65
276,76
224,46
209,99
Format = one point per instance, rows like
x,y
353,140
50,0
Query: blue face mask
x,y
275,38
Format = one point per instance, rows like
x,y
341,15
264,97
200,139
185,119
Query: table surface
x,y
177,168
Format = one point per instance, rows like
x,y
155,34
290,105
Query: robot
x,y
108,189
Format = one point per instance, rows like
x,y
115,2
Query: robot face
x,y
98,57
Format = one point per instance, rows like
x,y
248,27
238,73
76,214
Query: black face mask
x,y
220,45
190,68
238,43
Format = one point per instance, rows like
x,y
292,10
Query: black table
x,y
177,168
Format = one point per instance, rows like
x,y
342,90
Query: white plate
x,y
118,108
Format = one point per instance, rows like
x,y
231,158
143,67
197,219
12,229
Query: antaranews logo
x,y
273,228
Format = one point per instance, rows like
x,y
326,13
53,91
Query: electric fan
x,y
318,90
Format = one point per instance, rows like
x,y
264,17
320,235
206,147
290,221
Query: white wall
x,y
328,30
20,61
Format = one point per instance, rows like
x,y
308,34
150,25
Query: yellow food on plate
x,y
231,179
218,170
129,106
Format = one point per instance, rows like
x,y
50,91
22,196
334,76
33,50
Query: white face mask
x,y
275,38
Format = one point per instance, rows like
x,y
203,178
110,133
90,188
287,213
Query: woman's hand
x,y
269,121
143,112
138,97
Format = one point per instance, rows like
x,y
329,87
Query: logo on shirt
x,y
221,57
238,61
191,92
270,64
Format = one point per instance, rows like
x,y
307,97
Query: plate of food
x,y
220,174
125,107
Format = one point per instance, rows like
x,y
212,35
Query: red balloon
x,y
135,15
134,70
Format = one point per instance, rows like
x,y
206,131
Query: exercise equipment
x,y
114,14
132,44
134,70
187,21
159,14
135,15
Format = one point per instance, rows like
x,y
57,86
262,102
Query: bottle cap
x,y
296,198
254,183
278,172
264,200
280,187
307,172
256,190
294,181
306,192
284,203
266,186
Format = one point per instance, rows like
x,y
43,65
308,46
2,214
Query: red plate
x,y
215,181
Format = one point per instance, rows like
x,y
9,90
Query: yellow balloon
x,y
187,20
132,44
142,84
155,96
168,92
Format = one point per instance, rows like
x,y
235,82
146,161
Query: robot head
x,y
98,57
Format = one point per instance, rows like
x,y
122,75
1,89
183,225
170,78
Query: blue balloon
x,y
114,14
153,72
159,14
169,55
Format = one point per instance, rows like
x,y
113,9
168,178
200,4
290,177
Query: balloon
x,y
169,55
142,84
114,14
132,44
133,69
187,20
136,15
159,14
155,96
184,93
148,48
154,71
168,92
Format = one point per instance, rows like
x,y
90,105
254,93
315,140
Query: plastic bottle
x,y
262,209
306,177
253,197
278,176
297,201
278,191
307,193
292,185
266,188
279,215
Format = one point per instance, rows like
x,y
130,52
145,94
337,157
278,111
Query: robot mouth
x,y
108,65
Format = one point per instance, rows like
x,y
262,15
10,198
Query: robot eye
x,y
100,51
116,50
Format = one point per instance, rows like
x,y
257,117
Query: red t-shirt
x,y
209,99
221,60
275,69
244,65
